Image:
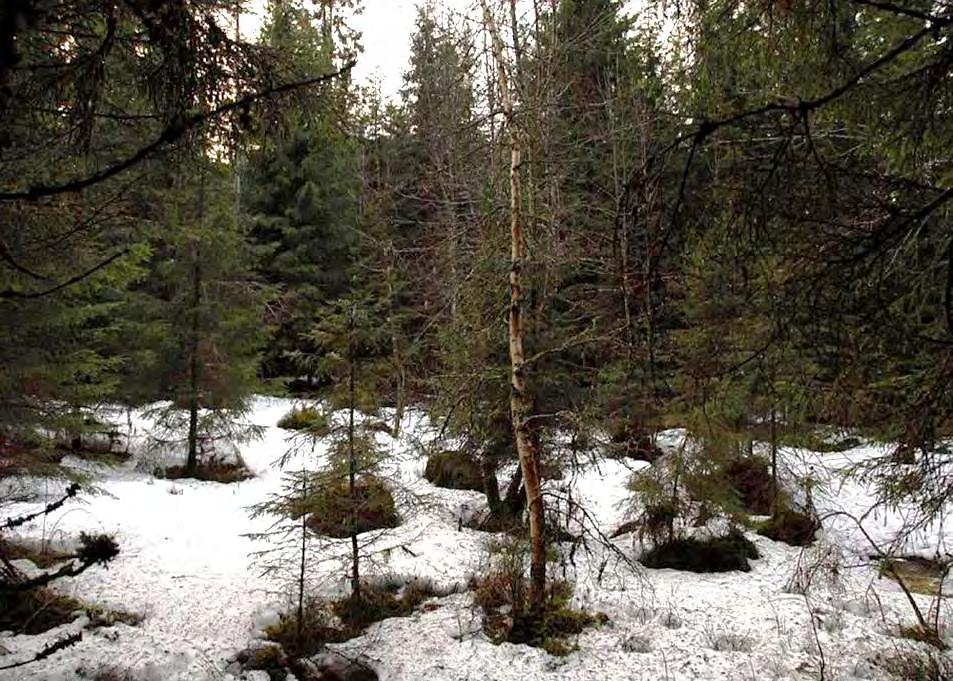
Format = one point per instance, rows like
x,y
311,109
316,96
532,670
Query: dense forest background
x,y
572,221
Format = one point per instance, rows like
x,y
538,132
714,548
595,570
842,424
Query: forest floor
x,y
188,567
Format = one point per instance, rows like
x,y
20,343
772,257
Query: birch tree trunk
x,y
520,399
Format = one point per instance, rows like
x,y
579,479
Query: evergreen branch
x,y
20,295
171,134
99,549
798,107
48,650
70,569
22,269
11,523
900,11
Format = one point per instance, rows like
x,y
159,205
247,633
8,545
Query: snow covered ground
x,y
187,566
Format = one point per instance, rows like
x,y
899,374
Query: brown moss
x,y
454,470
213,470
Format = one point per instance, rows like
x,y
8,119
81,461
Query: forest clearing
x,y
187,569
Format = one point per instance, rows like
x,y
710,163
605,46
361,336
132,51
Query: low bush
x,y
315,631
35,611
916,665
923,634
454,470
357,612
502,595
345,618
210,470
550,629
791,527
335,514
308,419
716,554
38,610
731,642
263,657
750,479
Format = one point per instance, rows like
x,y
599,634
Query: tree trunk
x,y
774,462
520,400
193,437
491,484
299,633
352,461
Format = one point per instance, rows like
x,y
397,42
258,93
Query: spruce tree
x,y
201,313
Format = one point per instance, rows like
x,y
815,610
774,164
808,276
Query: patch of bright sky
x,y
386,27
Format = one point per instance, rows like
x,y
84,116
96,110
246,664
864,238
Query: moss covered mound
x,y
307,419
454,470
791,527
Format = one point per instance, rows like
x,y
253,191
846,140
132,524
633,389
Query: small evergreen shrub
x,y
307,419
550,628
717,554
267,657
750,478
345,618
212,469
357,612
316,630
333,514
454,470
791,527
657,522
631,441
